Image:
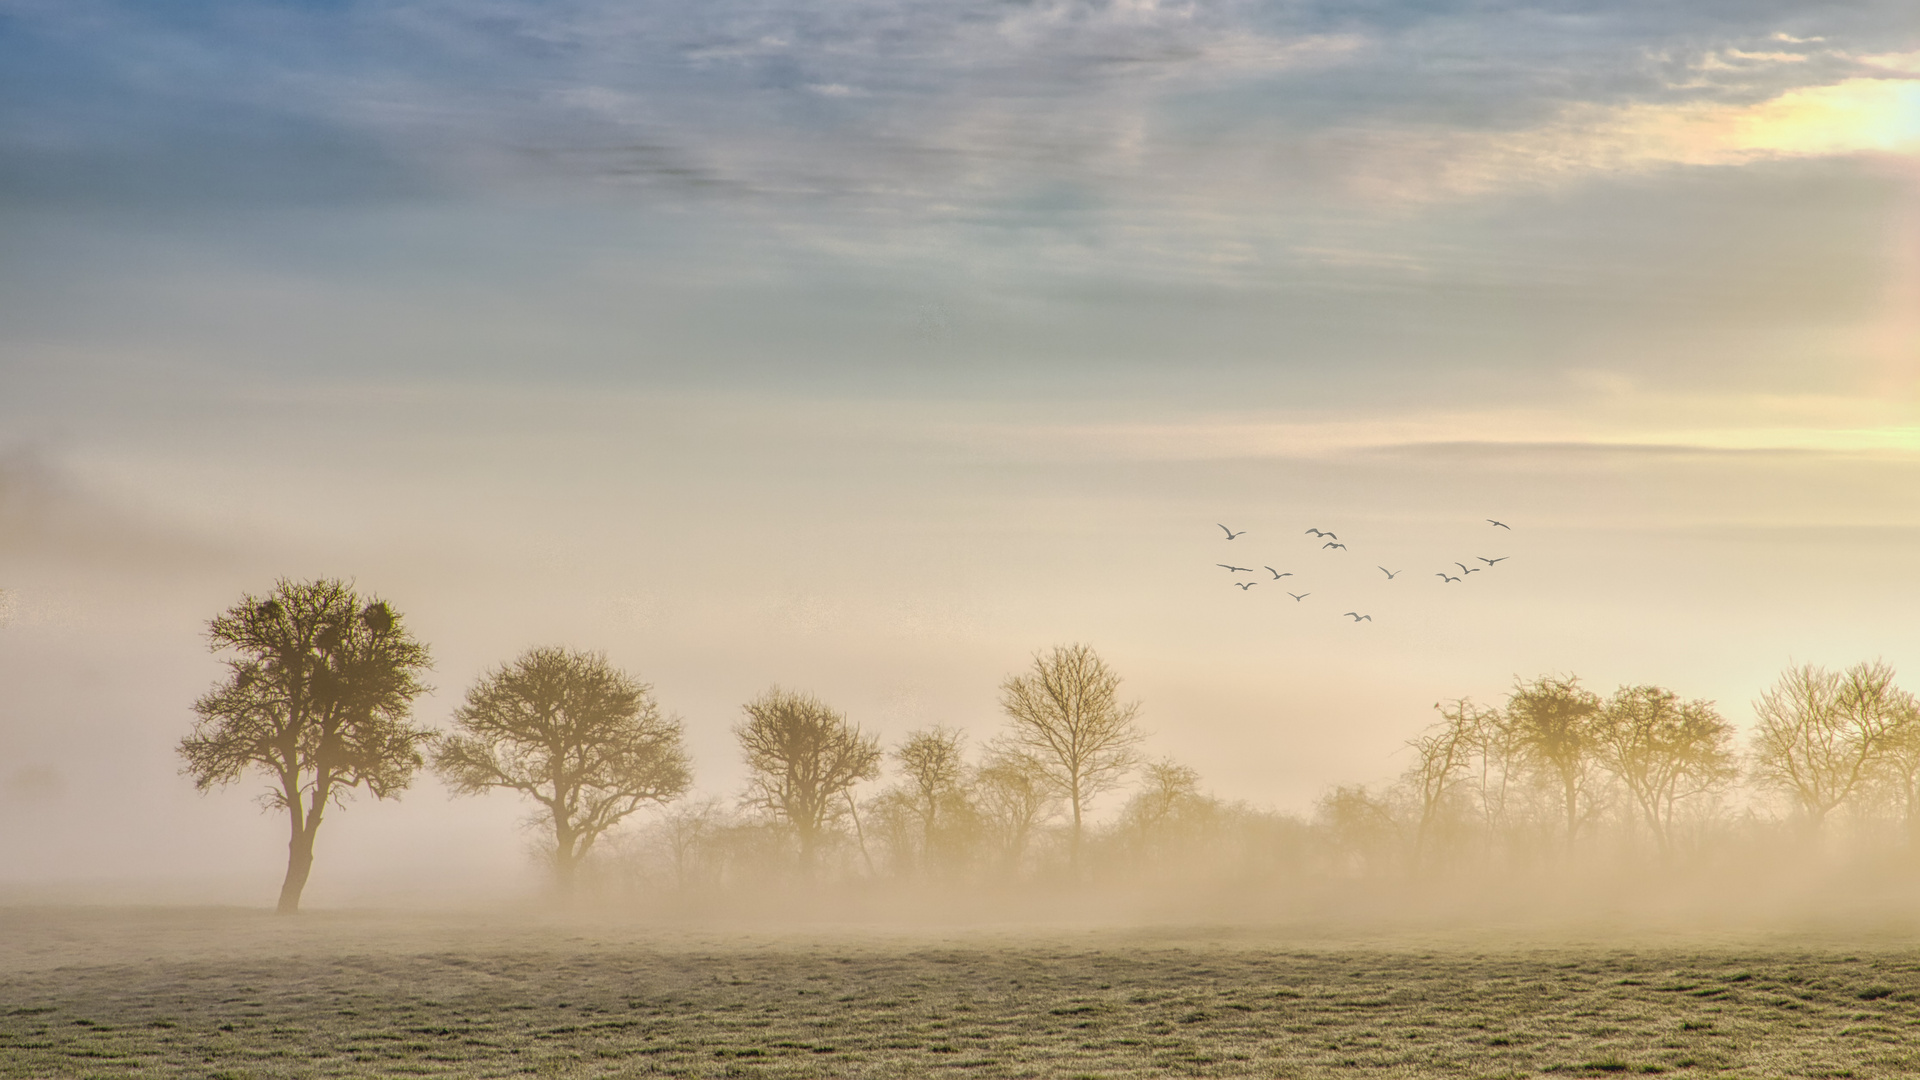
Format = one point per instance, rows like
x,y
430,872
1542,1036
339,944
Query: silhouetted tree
x,y
1821,734
317,697
1664,751
803,758
1554,721
564,728
1066,715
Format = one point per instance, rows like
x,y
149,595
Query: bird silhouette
x,y
1243,586
1277,575
1299,595
1230,533
1391,574
1330,543
1446,577
1490,562
1357,616
1233,569
1502,524
1327,535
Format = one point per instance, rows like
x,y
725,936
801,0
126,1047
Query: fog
x,y
903,592
873,352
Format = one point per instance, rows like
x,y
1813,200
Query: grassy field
x,y
237,994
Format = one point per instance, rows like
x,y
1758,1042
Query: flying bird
x,y
1317,532
1446,577
1357,616
1299,595
1490,562
1330,543
1233,569
1277,575
1243,586
1230,533
1502,524
1391,574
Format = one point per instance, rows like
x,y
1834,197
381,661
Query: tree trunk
x,y
1573,808
566,861
299,865
1073,843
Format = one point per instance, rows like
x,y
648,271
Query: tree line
x,y
319,692
320,684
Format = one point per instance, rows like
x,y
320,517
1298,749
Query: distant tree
x,y
1065,714
1014,798
683,832
1359,826
1900,768
935,781
1443,761
1167,815
1822,734
1664,751
1554,721
1164,786
319,688
803,758
564,728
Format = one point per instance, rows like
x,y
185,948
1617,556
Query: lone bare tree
x,y
585,741
803,758
1066,715
317,696
1554,720
1664,751
1821,734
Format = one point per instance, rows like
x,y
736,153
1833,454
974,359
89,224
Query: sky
x,y
867,348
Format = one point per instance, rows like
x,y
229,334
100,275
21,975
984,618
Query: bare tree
x,y
684,831
317,696
1167,813
803,758
564,728
1821,734
1442,762
935,780
1664,751
1015,798
1554,720
1493,750
1066,715
1900,768
1359,826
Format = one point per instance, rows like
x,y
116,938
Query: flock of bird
x,y
1331,541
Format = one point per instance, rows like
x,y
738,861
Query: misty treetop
x,y
318,696
585,741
